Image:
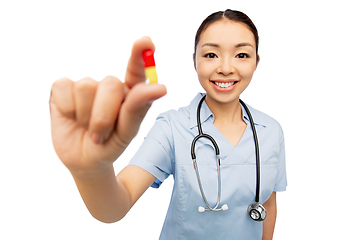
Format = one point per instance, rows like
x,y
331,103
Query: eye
x,y
210,55
242,55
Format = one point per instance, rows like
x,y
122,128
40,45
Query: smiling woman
x,y
225,59
89,136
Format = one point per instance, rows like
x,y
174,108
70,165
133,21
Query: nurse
x,y
93,122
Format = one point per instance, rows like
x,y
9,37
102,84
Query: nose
x,y
226,66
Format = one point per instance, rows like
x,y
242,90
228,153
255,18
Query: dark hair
x,y
231,15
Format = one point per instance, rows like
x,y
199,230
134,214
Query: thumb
x,y
134,108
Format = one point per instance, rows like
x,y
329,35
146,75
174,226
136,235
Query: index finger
x,y
135,69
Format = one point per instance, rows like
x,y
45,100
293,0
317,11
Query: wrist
x,y
93,173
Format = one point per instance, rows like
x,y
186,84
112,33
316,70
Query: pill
x,y
149,64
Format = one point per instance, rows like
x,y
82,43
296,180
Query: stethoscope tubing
x,y
257,153
202,135
202,191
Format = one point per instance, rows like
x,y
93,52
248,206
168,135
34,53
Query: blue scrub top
x,y
167,150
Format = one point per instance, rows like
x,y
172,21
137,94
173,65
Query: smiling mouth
x,y
224,85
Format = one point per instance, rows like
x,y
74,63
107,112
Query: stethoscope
x,y
255,210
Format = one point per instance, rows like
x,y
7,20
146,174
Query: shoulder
x,y
263,118
268,122
182,115
174,115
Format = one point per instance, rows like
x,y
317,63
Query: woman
x,y
93,122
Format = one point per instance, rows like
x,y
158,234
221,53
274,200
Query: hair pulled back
x,y
233,15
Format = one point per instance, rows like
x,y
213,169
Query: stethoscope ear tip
x,y
201,209
225,207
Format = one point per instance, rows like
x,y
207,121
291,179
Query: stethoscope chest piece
x,y
257,212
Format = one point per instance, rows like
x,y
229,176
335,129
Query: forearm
x,y
269,224
106,198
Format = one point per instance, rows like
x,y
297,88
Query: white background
x,y
302,81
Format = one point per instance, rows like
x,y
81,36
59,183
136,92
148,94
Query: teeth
x,y
224,85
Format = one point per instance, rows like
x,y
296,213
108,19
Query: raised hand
x,y
93,122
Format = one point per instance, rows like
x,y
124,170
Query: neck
x,y
226,113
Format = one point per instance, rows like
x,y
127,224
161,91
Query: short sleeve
x,y
156,154
281,180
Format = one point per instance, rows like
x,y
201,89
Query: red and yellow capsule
x,y
149,64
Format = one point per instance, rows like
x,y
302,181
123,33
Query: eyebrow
x,y
210,45
244,44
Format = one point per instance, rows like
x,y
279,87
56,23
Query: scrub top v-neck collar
x,y
207,119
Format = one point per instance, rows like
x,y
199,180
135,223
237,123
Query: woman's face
x,y
225,60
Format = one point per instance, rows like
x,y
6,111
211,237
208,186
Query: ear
x,y
194,61
258,60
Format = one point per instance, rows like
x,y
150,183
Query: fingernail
x,y
97,138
